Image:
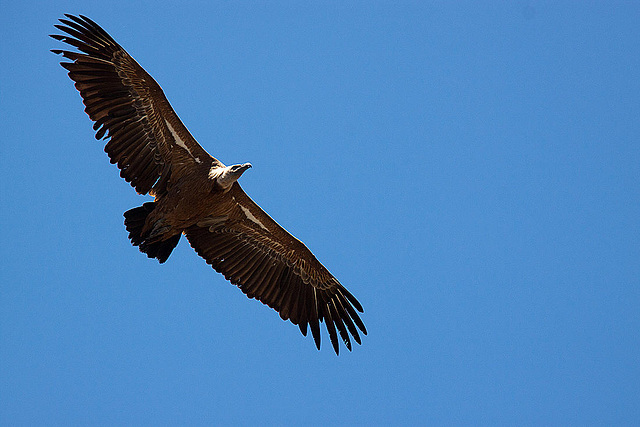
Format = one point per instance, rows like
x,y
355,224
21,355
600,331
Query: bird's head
x,y
226,176
238,170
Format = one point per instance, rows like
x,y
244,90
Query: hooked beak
x,y
240,169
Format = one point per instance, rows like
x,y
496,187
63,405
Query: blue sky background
x,y
470,172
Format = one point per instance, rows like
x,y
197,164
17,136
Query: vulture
x,y
195,194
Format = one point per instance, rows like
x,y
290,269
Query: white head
x,y
225,176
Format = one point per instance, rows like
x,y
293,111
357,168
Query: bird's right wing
x,y
148,141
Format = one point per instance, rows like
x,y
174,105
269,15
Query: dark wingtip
x,y
88,20
357,338
333,335
303,328
315,331
336,347
352,299
78,19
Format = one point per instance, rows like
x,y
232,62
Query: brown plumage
x,y
195,194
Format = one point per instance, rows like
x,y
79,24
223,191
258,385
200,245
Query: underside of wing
x,y
267,263
148,141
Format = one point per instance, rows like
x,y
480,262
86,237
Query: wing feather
x,y
252,264
339,323
331,327
254,280
346,318
314,317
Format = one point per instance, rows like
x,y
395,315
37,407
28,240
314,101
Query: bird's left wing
x,y
253,252
149,142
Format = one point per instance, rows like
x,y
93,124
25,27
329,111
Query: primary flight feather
x,y
196,194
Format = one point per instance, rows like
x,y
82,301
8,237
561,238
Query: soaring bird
x,y
195,194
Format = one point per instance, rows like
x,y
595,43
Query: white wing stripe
x,y
179,141
251,217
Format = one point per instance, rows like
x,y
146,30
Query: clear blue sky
x,y
470,172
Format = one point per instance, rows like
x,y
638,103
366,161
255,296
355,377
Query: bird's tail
x,y
151,243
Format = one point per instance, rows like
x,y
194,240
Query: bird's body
x,y
195,194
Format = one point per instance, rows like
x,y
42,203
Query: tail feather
x,y
134,221
160,250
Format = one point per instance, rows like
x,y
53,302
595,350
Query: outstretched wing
x,y
148,141
267,263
